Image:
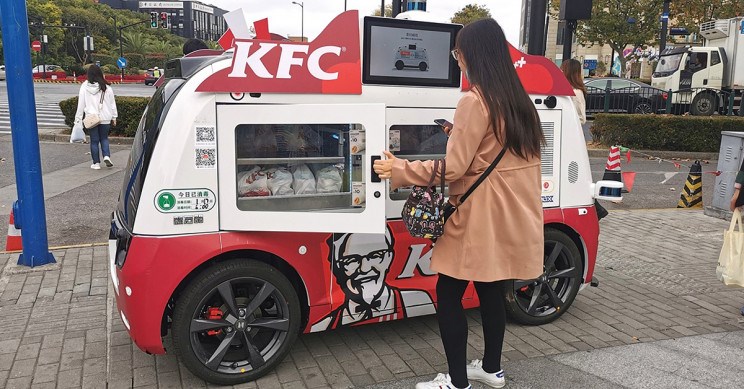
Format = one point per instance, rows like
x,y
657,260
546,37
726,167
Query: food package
x,y
256,141
279,181
303,180
298,141
357,140
357,193
253,183
329,180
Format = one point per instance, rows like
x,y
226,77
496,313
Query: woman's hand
x,y
384,167
113,121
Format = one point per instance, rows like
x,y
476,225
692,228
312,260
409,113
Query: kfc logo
x,y
331,64
360,265
287,59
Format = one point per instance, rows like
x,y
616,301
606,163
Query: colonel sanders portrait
x,y
360,264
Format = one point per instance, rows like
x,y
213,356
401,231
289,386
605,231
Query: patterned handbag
x,y
423,212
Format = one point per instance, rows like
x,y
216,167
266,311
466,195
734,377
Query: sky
x,y
285,17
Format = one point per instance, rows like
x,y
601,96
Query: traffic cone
x,y
612,168
692,194
13,242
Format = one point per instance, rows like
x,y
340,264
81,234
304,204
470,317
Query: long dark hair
x,y
490,69
95,75
572,70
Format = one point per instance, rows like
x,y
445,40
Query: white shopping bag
x,y
730,268
78,135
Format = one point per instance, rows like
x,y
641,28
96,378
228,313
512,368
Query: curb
x,y
692,155
65,138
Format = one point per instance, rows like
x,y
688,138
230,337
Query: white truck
x,y
704,78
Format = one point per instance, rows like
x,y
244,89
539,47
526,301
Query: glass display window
x,y
416,143
300,167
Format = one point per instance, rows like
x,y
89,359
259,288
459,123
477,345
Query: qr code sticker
x,y
206,158
205,136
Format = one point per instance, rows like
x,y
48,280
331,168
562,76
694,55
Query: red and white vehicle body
x,y
235,273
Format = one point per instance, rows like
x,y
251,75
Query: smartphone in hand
x,y
444,123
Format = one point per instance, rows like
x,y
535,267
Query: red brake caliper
x,y
214,313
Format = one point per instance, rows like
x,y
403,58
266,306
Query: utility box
x,y
729,162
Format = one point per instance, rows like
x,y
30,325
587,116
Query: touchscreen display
x,y
404,52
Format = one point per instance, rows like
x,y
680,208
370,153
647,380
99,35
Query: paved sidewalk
x,y
657,282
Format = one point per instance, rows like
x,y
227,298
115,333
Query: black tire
x,y
399,65
643,107
704,104
223,349
556,288
423,66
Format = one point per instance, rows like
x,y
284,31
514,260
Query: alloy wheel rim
x,y
239,325
547,294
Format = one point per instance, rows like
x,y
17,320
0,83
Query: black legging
x,y
454,326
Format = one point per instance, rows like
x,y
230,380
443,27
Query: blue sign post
x,y
121,62
29,212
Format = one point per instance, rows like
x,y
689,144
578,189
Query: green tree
x,y
690,13
471,13
388,11
619,24
135,42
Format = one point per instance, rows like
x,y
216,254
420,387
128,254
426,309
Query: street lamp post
x,y
302,5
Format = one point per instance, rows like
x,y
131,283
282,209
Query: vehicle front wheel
x,y
423,66
643,107
542,300
235,322
704,104
399,65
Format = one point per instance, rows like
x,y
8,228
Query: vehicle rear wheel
x,y
704,104
235,322
399,65
643,107
423,66
542,300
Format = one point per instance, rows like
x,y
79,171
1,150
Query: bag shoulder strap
x,y
736,220
482,176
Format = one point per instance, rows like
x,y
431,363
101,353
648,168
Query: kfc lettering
x,y
287,59
331,64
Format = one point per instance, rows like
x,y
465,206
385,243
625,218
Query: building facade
x,y
189,19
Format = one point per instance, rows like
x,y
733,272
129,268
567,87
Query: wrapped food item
x,y
303,180
253,183
279,181
329,180
298,141
256,141
357,141
357,193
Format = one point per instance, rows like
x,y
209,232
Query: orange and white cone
x,y
14,241
612,168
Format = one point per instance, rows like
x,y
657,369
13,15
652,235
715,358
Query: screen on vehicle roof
x,y
404,52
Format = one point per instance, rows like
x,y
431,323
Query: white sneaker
x,y
108,162
476,373
442,381
96,166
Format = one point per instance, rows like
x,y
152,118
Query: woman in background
x,y
96,97
572,70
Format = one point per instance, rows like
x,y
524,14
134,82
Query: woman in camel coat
x,y
497,234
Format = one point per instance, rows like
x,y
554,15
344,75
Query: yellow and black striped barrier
x,y
692,193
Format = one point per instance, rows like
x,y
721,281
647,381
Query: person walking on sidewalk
x,y
96,97
497,234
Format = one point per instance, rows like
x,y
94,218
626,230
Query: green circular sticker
x,y
166,201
